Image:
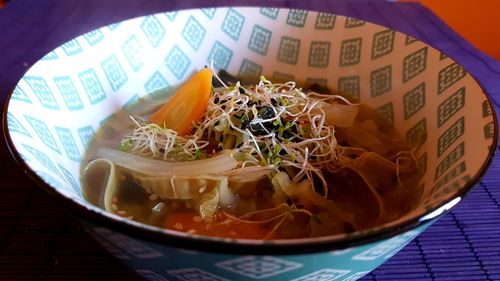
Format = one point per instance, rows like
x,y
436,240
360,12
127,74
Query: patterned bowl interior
x,y
64,98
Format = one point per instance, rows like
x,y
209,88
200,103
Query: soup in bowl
x,y
243,143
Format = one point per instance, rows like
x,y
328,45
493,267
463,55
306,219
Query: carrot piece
x,y
187,105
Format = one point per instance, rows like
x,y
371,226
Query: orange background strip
x,y
477,21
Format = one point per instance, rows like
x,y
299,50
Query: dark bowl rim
x,y
223,246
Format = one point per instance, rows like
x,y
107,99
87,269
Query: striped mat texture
x,y
39,240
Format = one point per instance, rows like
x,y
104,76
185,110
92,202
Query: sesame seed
x,y
158,209
202,189
197,219
208,227
178,226
191,231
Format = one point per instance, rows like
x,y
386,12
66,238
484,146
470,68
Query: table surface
x,y
40,240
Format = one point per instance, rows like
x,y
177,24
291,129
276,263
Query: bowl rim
x,y
226,246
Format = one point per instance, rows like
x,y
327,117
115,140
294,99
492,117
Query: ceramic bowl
x,y
62,100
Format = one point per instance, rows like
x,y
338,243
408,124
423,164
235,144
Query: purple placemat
x,y
39,240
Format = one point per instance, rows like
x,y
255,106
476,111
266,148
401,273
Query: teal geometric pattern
x,y
319,81
414,100
282,77
171,15
271,13
456,185
449,76
15,125
422,164
325,274
409,40
71,181
130,102
86,134
177,62
451,175
450,159
43,132
350,52
155,82
489,130
383,43
20,95
193,274
296,18
380,81
233,23
147,274
353,22
113,26
132,49
51,180
220,55
319,54
153,30
209,12
259,40
250,70
43,159
257,267
72,47
94,37
68,92
486,109
92,86
68,142
450,135
193,33
50,56
414,64
417,135
450,106
42,91
252,267
289,50
349,85
325,21
387,111
114,72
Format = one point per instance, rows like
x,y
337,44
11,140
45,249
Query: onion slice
x,y
218,164
341,115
